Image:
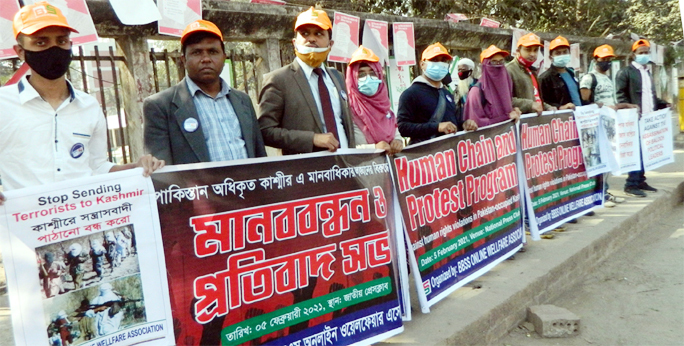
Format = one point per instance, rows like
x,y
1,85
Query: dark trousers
x,y
635,178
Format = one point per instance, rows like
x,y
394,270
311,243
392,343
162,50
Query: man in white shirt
x,y
633,84
50,131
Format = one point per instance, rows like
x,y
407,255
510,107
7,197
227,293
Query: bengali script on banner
x,y
557,186
85,264
292,251
460,201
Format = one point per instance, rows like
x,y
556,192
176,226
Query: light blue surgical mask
x,y
561,60
642,59
436,70
369,85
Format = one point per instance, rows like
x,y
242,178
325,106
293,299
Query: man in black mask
x,y
50,131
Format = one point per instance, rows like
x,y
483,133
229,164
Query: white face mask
x,y
308,50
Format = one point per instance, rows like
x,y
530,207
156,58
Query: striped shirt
x,y
219,123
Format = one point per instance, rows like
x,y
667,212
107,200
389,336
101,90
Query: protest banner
x,y
84,263
398,80
455,17
490,23
595,156
78,17
294,250
557,187
404,44
460,202
656,139
376,38
7,11
177,14
346,37
620,131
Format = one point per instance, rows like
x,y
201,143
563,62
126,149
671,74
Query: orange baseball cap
x,y
434,50
491,51
200,25
640,43
40,15
604,51
529,40
559,41
313,16
363,54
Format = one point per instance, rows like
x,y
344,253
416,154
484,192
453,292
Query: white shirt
x,y
312,78
646,89
41,145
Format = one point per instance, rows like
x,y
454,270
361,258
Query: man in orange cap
x,y
597,87
303,106
558,85
51,132
202,119
427,108
526,94
633,84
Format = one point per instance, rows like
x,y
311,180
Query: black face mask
x,y
464,74
603,65
51,63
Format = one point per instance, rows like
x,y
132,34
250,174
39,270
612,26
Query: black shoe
x,y
644,186
635,192
573,221
591,213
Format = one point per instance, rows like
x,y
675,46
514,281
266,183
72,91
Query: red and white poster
x,y
404,44
376,38
78,16
574,56
490,23
7,11
398,80
346,37
177,14
455,17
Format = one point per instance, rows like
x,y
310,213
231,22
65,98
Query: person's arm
x,y
473,106
622,86
271,109
156,131
408,124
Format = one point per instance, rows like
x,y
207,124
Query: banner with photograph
x,y
558,188
461,205
595,156
84,263
77,15
7,11
621,132
346,36
294,250
177,14
404,44
656,139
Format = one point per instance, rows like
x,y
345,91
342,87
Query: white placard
x,y
376,38
80,250
588,122
398,80
135,12
7,41
656,139
404,44
177,14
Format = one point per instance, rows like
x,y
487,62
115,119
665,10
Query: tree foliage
x,y
655,19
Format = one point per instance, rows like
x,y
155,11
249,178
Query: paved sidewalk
x,y
485,310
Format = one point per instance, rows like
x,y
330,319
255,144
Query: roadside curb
x,y
484,316
564,276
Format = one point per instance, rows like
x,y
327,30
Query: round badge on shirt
x,y
449,98
77,150
190,124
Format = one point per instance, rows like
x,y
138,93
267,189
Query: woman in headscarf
x,y
375,124
490,101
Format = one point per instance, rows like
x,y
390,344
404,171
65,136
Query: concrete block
x,y
551,321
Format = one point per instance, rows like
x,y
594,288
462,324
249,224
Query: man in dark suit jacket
x,y
201,119
303,106
633,84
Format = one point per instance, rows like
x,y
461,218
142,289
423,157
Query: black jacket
x,y
553,88
416,106
628,88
